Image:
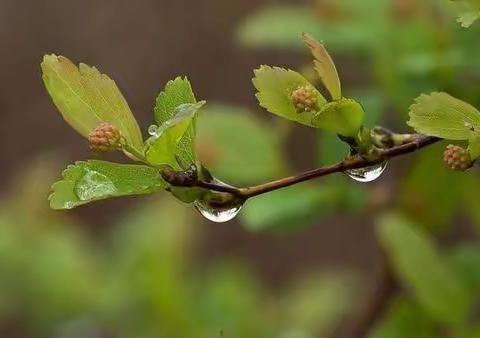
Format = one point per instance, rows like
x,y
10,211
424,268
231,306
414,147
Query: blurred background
x,y
298,263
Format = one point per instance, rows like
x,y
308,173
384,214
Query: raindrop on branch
x,y
367,174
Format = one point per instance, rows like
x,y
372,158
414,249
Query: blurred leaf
x,y
176,93
278,27
93,180
324,66
290,208
404,319
85,98
465,259
317,304
275,85
165,147
331,149
442,115
422,196
232,300
373,104
237,146
344,117
418,264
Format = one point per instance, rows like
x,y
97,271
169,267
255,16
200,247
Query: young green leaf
x,y
324,66
344,117
417,262
177,92
275,86
94,180
442,115
162,148
85,98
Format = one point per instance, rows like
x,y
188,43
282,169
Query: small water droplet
x,y
217,214
94,185
152,130
367,174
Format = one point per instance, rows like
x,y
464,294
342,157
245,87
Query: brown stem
x,y
418,142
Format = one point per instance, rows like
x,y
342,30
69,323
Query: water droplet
x,y
217,214
367,174
94,185
152,130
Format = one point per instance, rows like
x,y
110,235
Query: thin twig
x,y
420,141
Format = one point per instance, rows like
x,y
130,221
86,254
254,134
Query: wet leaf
x,y
94,180
162,148
176,93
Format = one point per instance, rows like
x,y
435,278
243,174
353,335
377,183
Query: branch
x,y
414,143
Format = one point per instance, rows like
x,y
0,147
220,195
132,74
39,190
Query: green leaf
x,y
278,27
344,117
442,115
465,259
162,148
275,85
418,264
176,93
315,306
404,319
94,180
290,208
445,199
85,98
324,66
223,148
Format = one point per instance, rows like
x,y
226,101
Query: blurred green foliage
x,y
146,278
143,279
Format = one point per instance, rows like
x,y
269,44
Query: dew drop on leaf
x,y
152,130
367,174
94,185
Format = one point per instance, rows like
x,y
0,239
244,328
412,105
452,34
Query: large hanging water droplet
x,y
367,174
152,130
217,214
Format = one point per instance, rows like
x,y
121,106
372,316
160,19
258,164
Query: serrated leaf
x,y
344,117
94,180
418,264
442,115
177,92
275,85
85,98
162,149
324,66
